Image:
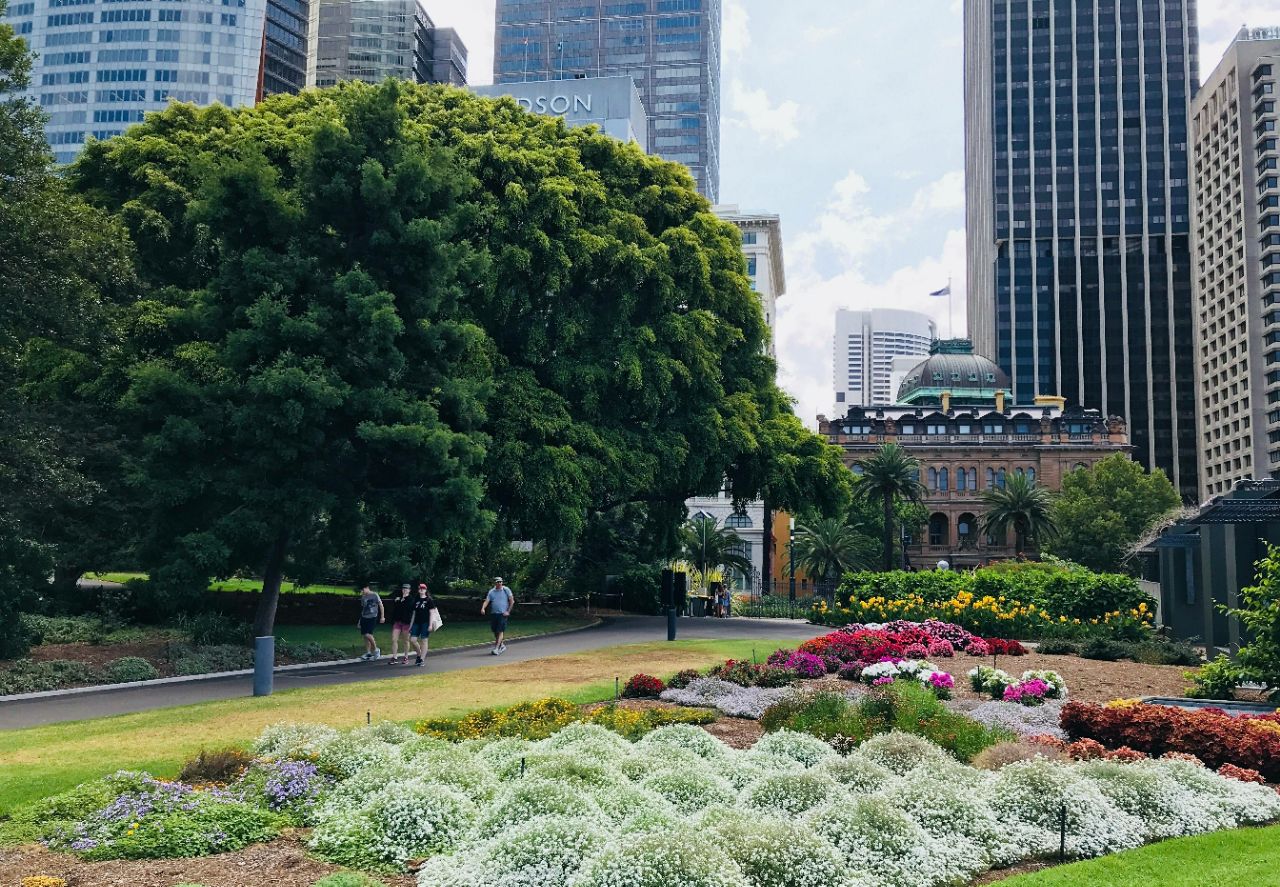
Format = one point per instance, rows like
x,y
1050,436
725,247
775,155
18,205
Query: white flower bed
x,y
728,698
680,807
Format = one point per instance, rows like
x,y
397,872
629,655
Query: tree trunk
x,y
1019,538
272,576
888,532
65,577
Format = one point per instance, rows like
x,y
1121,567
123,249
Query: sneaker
x,y
419,662
502,648
377,654
494,652
366,657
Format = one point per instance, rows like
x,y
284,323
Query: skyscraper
x,y
103,64
1236,237
371,40
1078,208
866,344
671,48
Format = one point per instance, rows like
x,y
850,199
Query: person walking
x,y
401,618
420,622
371,615
498,602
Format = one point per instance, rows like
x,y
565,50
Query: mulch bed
x,y
282,863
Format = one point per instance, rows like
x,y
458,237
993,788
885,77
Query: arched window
x,y
737,521
938,529
700,515
944,480
967,529
1018,471
1031,475
991,478
973,479
1080,466
996,540
933,478
1000,478
858,470
962,479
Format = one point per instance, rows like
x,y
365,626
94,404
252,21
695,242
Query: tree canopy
x,y
1021,504
890,475
375,319
1103,510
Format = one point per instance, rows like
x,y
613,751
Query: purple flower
x,y
880,682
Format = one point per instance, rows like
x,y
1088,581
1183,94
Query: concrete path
x,y
611,632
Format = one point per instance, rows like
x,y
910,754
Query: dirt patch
x,y
282,863
98,655
1088,680
995,875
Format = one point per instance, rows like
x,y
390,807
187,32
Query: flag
x,y
945,291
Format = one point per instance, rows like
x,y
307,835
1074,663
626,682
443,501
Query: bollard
x,y
615,688
671,623
522,766
264,665
368,718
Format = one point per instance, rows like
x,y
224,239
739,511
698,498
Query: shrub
x,y
129,669
1023,720
1055,647
806,665
1213,737
875,836
29,676
214,629
747,674
776,853
684,678
220,766
62,629
658,861
59,813
284,786
1105,650
1003,647
309,652
402,821
851,671
1004,753
1259,614
1216,679
989,680
188,660
164,820
1160,651
643,686
733,700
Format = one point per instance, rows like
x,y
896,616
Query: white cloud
x,y
775,124
1220,20
854,231
818,34
735,30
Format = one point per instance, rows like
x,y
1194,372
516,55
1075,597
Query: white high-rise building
x,y
866,343
762,245
1235,243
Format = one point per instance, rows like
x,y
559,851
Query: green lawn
x,y
453,634
1222,859
41,761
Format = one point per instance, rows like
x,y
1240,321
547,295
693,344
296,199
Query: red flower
x,y
643,685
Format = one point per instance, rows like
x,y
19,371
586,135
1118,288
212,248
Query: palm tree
x,y
1020,504
830,547
889,475
706,545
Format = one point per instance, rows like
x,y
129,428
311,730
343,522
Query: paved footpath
x,y
611,632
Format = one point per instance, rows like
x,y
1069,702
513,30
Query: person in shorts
x,y
420,622
401,616
498,602
371,615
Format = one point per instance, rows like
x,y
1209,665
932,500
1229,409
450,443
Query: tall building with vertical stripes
x,y
670,48
1078,209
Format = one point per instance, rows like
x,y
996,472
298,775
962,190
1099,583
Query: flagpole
x,y
951,314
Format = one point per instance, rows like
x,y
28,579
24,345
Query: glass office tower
x,y
102,64
670,48
1078,208
371,40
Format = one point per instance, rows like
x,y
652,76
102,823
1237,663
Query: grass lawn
x,y
1222,859
42,761
454,634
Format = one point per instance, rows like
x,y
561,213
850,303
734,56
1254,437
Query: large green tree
x,y
377,315
889,476
64,268
1103,510
1021,505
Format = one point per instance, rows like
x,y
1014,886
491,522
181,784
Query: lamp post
x,y
791,561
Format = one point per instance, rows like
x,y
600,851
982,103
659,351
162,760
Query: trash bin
x,y
697,606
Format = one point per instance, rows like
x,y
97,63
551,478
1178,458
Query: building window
x,y
1031,475
991,478
938,529
1000,479
967,530
933,478
737,521
973,479
962,480
944,480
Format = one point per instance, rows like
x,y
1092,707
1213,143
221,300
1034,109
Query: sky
x,y
846,118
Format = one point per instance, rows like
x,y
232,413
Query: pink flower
x,y
942,680
978,647
880,682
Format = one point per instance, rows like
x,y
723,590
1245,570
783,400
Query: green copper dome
x,y
971,379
